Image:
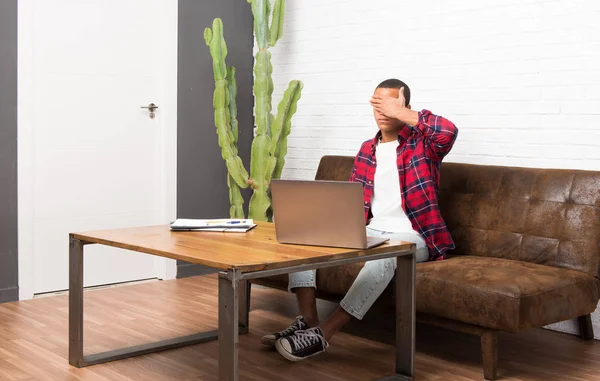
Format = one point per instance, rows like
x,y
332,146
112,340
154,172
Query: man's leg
x,y
367,287
335,322
304,284
370,282
307,305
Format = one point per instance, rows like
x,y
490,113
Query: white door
x,y
90,157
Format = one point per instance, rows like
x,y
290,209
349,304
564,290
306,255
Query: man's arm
x,y
406,115
439,132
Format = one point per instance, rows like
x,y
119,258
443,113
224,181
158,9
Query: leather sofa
x,y
527,252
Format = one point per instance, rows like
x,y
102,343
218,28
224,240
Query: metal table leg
x,y
228,325
405,320
76,357
75,302
244,305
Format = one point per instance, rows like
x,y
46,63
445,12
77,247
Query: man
x,y
399,171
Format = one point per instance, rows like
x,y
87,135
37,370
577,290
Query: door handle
x,y
151,107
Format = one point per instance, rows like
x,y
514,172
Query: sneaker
x,y
298,324
302,344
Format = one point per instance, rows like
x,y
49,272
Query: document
x,y
228,225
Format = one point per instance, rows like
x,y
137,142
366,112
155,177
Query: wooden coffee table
x,y
240,257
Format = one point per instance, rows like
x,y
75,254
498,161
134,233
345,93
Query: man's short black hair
x,y
394,83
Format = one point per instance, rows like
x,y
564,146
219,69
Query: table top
x,y
254,250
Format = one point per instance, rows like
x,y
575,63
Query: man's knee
x,y
422,255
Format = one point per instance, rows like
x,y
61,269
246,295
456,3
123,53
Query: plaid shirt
x,y
419,155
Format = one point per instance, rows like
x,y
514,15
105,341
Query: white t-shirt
x,y
386,204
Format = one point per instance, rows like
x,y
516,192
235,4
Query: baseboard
x,y
571,327
185,270
9,294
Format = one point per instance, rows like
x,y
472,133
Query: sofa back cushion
x,y
335,168
544,216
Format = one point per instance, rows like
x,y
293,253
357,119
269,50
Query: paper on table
x,y
224,230
229,225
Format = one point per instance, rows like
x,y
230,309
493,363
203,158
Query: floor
x,y
34,340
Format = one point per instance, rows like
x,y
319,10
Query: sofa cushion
x,y
502,293
335,168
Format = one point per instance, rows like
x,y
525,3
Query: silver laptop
x,y
322,213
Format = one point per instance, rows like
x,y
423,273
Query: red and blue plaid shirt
x,y
419,155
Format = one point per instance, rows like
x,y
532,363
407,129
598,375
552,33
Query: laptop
x,y
321,213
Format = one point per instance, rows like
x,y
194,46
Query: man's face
x,y
383,122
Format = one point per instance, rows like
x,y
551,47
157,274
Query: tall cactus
x,y
269,146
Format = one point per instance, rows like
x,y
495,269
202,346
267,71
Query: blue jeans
x,y
372,279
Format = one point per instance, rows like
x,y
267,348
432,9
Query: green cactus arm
x,y
235,199
228,151
282,128
268,10
232,103
276,29
286,109
218,48
221,99
266,153
207,36
260,11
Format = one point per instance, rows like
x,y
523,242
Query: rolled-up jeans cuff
x,y
306,278
359,315
291,286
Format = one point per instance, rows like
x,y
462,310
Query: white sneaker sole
x,y
290,356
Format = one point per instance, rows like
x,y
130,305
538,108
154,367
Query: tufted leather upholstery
x,y
503,294
527,246
335,168
544,216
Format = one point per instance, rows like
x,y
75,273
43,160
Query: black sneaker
x,y
302,344
298,324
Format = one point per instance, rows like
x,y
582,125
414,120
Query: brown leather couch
x,y
527,252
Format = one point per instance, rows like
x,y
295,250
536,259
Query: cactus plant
x,y
269,146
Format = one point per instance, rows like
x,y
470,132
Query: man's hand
x,y
389,106
395,108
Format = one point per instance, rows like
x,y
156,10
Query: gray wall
x,y
201,174
8,151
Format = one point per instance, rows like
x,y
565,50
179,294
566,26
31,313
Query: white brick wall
x,y
520,78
